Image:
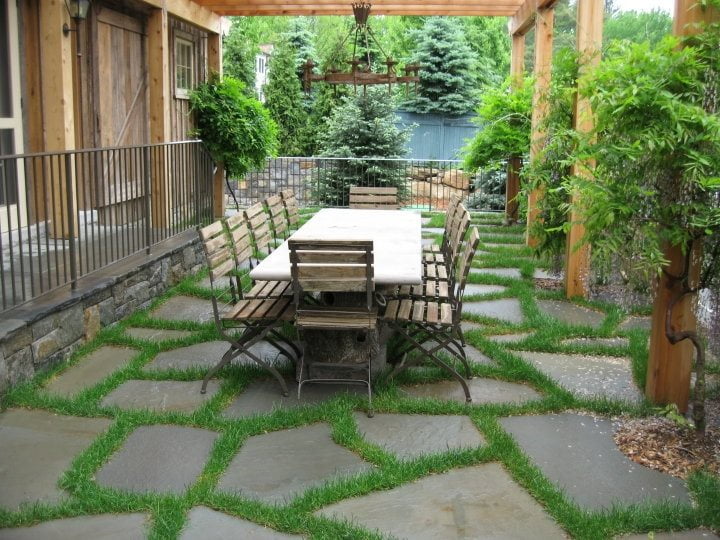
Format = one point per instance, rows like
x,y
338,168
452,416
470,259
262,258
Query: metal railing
x,y
422,184
66,214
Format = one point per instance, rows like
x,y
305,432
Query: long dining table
x,y
397,245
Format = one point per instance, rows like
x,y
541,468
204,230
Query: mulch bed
x,y
661,444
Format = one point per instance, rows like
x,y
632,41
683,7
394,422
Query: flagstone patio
x,y
523,460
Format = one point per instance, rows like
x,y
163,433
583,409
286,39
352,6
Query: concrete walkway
x,y
178,450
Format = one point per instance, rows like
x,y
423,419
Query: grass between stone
x,y
169,513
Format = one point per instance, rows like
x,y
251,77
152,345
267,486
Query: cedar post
x,y
158,37
215,64
58,112
544,26
670,366
512,188
589,42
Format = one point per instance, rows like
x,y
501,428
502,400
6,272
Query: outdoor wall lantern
x,y
78,10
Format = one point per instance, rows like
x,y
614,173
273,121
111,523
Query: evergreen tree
x,y
363,127
301,39
284,99
325,98
446,74
239,56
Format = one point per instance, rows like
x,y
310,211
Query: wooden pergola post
x,y
670,366
159,97
544,27
589,42
58,114
214,61
517,73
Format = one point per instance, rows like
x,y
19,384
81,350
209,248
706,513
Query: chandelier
x,y
361,71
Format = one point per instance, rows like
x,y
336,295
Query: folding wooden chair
x,y
332,266
258,223
291,208
423,320
259,318
378,198
278,220
243,253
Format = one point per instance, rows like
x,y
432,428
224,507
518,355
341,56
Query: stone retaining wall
x,y
37,336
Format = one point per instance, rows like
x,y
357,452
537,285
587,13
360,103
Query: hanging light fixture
x,y
360,72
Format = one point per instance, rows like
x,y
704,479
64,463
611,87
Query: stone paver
x,y
473,355
207,524
97,527
90,370
500,272
160,396
604,342
158,458
184,308
475,502
201,355
694,534
427,242
636,323
473,288
541,273
409,436
207,354
505,309
570,313
36,447
261,397
469,326
300,458
424,221
577,453
433,230
587,375
481,390
509,338
156,334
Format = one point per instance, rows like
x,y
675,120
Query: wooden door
x,y
121,97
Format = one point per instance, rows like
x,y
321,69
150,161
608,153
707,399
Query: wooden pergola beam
x,y
191,11
297,9
524,17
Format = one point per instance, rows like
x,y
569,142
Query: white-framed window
x,y
12,180
184,67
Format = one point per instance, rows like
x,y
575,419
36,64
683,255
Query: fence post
x,y
148,206
196,188
70,220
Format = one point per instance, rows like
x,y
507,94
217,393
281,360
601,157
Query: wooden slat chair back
x,y
259,224
332,266
259,317
463,269
450,217
240,238
243,251
291,207
220,259
379,198
278,220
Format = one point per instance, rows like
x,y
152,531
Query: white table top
x,y
396,235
